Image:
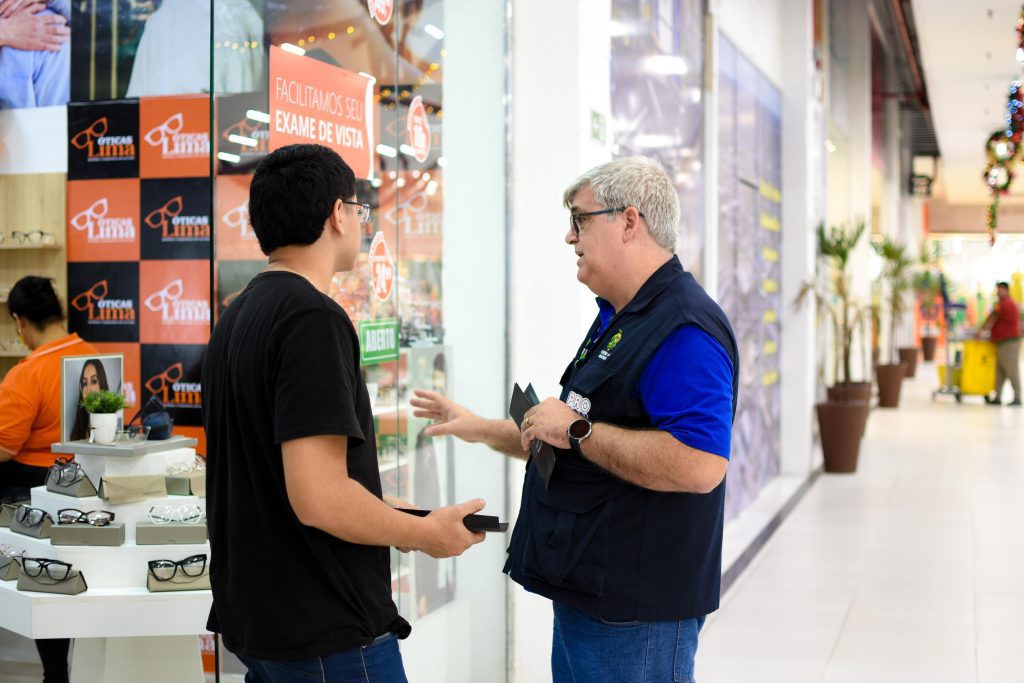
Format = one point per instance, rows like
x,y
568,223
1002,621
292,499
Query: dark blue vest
x,y
601,544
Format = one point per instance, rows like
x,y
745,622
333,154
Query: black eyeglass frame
x,y
44,565
86,517
179,564
574,218
69,472
362,213
30,512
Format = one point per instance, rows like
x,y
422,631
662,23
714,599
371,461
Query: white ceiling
x,y
968,61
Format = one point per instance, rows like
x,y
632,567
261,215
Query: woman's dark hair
x,y
293,192
81,428
34,299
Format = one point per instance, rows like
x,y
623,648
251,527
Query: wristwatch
x,y
578,431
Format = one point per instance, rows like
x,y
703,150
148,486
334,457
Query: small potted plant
x,y
902,361
103,408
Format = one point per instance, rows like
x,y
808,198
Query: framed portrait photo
x,y
81,375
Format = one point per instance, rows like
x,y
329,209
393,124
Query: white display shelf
x,y
103,612
148,457
123,450
128,514
105,566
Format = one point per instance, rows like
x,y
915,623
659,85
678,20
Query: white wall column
x,y
802,168
560,74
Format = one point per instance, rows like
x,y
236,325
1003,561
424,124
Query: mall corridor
x,y
909,571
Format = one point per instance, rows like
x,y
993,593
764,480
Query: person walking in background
x,y
625,534
30,408
1003,323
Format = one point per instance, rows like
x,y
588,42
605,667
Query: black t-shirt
x,y
282,364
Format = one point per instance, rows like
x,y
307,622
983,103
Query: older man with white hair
x,y
625,536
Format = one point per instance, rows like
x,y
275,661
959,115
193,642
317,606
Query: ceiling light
x,y
433,31
294,49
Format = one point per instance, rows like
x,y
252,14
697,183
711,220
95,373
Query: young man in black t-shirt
x,y
299,532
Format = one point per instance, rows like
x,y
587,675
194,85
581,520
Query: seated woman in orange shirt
x,y
30,395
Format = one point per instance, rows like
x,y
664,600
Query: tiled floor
x,y
911,570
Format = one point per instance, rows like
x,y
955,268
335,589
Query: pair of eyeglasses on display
x,y
8,550
66,472
33,237
578,221
362,211
38,567
167,514
30,516
179,468
133,434
13,346
93,517
164,570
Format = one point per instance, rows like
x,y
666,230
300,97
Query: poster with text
x,y
315,102
175,137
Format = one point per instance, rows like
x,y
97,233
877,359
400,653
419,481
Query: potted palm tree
x,y
103,408
841,418
896,273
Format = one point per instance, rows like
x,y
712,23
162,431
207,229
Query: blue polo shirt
x,y
686,387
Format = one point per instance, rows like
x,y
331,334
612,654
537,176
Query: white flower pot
x,y
104,426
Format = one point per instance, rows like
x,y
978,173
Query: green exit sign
x,y
378,341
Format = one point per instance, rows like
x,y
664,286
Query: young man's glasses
x,y
362,211
578,221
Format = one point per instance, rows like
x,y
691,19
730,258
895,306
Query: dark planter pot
x,y
908,356
890,379
850,392
928,347
841,426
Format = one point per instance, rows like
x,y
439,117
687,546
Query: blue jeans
x,y
590,650
380,662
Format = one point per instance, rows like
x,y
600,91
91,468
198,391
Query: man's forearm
x,y
502,436
357,516
653,459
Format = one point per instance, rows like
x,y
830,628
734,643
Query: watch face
x,y
579,429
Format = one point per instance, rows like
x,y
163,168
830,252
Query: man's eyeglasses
x,y
37,566
165,514
94,517
30,517
578,221
66,472
362,211
164,570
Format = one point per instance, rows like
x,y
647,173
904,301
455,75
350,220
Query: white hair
x,y
639,182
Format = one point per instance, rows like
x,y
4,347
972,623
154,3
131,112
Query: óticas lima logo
x,y
99,146
174,310
101,228
103,311
173,143
174,227
172,392
238,219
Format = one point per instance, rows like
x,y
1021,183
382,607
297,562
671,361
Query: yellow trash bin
x,y
978,374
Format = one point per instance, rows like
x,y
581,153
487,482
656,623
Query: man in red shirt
x,y
1004,322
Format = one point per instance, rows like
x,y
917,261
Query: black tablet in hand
x,y
472,522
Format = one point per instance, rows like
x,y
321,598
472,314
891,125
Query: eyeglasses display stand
x,y
123,631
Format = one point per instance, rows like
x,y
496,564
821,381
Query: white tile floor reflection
x,y
911,570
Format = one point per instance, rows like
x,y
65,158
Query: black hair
x,y
293,192
80,429
1003,284
439,363
34,299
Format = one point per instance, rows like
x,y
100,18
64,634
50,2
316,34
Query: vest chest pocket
x,y
568,529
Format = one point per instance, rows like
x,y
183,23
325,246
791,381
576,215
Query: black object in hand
x,y
473,522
